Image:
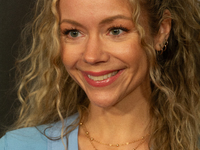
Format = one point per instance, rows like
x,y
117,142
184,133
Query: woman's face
x,y
101,50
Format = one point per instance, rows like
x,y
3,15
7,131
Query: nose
x,y
94,52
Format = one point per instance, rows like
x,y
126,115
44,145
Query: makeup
x,y
103,78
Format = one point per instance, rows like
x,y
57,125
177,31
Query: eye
x,y
117,30
73,33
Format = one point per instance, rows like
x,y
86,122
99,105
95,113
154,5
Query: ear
x,y
164,31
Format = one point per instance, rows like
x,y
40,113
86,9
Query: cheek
x,y
70,55
130,52
135,57
68,58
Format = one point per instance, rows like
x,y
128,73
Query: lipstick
x,y
101,79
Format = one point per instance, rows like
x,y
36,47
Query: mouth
x,y
102,77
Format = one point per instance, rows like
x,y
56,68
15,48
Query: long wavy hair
x,y
48,94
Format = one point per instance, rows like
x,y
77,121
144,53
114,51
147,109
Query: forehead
x,y
93,9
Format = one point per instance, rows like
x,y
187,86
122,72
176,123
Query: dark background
x,y
14,14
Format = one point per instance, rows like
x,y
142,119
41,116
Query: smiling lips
x,y
101,79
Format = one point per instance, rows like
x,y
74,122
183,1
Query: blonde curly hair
x,y
48,94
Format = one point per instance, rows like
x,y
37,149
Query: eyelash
x,y
118,27
67,31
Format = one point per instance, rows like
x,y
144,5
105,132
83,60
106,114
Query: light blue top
x,y
32,139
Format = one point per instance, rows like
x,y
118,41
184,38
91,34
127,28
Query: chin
x,y
103,103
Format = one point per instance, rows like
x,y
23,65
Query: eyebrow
x,y
71,22
104,21
111,19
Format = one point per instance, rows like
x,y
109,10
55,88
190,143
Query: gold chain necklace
x,y
91,139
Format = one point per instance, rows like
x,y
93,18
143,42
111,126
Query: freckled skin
x,y
96,49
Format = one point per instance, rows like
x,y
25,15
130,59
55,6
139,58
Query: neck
x,y
125,121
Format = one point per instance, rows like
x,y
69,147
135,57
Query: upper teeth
x,y
100,78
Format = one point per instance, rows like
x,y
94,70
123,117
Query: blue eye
x,y
74,33
116,31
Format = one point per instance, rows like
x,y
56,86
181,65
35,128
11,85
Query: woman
x,y
117,74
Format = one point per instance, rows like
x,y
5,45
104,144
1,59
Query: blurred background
x,y
14,14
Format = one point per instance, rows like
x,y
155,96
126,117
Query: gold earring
x,y
162,49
